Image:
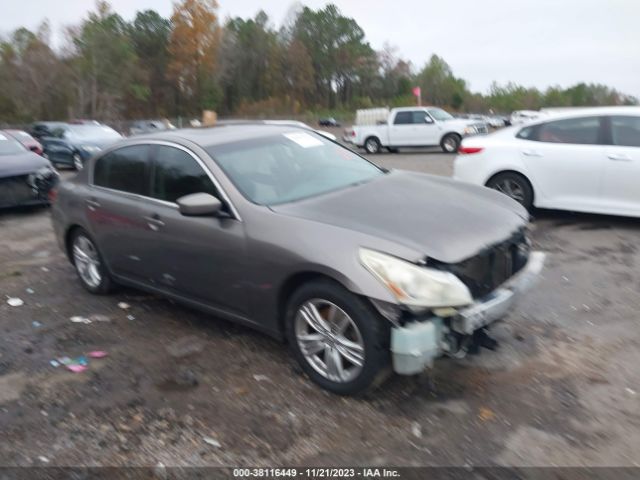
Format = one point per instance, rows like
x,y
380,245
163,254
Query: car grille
x,y
486,271
15,190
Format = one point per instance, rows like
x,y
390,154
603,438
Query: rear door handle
x,y
619,157
531,153
92,204
154,222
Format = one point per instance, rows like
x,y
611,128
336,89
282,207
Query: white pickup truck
x,y
414,127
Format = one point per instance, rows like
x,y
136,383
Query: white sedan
x,y
584,160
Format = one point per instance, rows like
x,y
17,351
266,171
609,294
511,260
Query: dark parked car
x,y
26,140
328,122
73,145
278,228
25,177
46,129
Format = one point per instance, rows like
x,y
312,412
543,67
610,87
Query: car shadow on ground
x,y
583,221
9,212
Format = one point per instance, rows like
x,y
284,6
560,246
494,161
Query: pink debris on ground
x,y
97,354
76,368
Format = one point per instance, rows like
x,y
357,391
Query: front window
x,y
440,114
291,166
9,146
177,174
625,131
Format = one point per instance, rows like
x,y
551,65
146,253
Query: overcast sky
x,y
531,42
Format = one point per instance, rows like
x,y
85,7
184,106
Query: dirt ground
x,y
182,388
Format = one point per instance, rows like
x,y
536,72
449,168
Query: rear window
x,y
575,131
125,169
403,118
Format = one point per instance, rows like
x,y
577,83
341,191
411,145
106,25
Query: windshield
x,y
21,134
439,114
9,146
291,166
92,133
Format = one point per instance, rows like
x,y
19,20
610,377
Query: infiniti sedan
x,y
583,160
362,271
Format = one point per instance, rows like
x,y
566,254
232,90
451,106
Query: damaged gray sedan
x,y
359,269
26,179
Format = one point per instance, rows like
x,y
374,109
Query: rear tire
x,y
88,262
372,145
450,143
348,328
515,186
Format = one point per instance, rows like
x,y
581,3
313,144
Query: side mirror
x,y
428,120
199,205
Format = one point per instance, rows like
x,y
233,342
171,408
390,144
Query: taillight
x,y
469,150
53,195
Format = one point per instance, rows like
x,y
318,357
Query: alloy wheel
x,y
450,144
512,189
87,261
329,340
371,146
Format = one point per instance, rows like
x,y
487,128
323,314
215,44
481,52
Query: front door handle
x,y
531,153
92,204
619,157
153,222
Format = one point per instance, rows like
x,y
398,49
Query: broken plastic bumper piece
x,y
415,345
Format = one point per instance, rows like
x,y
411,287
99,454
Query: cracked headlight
x,y
414,286
43,173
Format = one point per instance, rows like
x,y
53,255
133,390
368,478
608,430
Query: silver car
x,y
361,270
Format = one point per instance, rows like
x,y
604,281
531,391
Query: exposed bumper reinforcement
x,y
417,344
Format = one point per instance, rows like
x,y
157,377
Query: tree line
x,y
317,61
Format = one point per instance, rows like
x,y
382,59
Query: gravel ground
x,y
182,388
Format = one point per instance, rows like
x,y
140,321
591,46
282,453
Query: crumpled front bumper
x,y
415,345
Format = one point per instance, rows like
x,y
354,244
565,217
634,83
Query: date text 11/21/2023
x,y
313,473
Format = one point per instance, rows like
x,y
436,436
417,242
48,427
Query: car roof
x,y
577,112
219,135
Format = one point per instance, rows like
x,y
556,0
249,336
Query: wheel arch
x,y
68,235
450,132
295,281
370,136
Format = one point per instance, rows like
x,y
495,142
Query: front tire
x,y
89,264
515,186
450,143
372,145
339,339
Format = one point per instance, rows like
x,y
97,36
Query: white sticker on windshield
x,y
2,137
304,139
